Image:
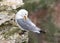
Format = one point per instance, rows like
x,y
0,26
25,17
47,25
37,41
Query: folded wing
x,y
28,25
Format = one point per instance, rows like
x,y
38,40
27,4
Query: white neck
x,y
18,17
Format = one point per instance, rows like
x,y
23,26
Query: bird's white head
x,y
22,14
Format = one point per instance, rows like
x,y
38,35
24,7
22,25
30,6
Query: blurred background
x,y
44,13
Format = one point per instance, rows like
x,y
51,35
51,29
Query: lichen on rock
x,y
13,4
9,31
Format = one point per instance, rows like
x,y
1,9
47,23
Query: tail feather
x,y
40,31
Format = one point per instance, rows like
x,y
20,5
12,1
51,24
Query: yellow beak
x,y
25,17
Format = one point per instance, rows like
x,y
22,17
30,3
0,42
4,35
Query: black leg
x,y
23,31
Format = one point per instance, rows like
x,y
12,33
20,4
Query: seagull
x,y
24,23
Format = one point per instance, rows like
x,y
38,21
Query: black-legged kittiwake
x,y
25,23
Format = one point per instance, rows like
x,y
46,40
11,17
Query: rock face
x,y
11,4
9,31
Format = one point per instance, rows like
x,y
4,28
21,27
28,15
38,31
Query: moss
x,y
51,29
24,42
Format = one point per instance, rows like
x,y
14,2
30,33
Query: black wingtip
x,y
41,31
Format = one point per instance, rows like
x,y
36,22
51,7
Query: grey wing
x,y
27,25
